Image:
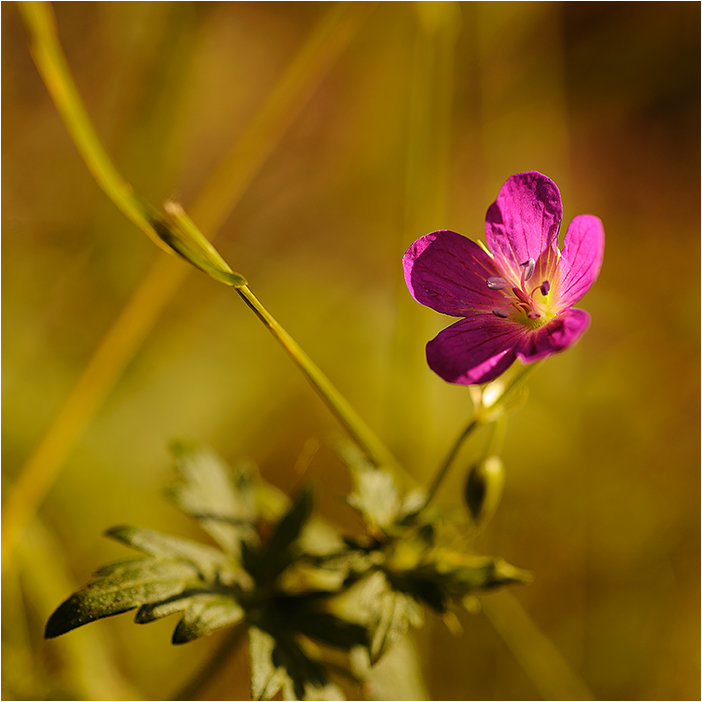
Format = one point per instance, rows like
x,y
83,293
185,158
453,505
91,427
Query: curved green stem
x,y
444,468
366,439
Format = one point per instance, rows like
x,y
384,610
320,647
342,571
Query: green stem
x,y
374,449
221,655
483,415
497,435
444,467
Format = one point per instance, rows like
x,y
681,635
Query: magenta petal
x,y
448,272
474,350
559,334
581,258
523,222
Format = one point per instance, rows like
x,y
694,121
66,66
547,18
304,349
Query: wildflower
x,y
516,298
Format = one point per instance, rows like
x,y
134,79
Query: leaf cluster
x,y
308,596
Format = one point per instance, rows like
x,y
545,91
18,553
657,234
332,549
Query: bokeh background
x,y
348,132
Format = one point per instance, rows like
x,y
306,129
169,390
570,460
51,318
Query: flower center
x,y
519,300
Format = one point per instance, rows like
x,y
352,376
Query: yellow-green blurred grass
x,y
602,493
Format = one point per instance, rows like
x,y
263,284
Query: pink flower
x,y
516,299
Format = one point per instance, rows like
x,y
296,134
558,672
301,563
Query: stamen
x,y
500,314
528,271
533,314
521,295
544,288
496,283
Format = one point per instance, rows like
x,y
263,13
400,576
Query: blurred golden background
x,y
350,130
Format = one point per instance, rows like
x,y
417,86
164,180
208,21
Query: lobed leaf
x,y
304,677
207,613
384,613
209,561
453,575
332,630
268,562
395,614
223,502
148,613
266,678
125,588
376,495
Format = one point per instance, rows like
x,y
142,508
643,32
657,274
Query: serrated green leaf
x,y
268,562
279,664
151,612
125,588
396,613
110,568
424,584
302,674
266,679
319,538
483,574
205,614
331,630
178,603
376,495
222,501
208,560
323,693
271,503
398,675
385,613
452,575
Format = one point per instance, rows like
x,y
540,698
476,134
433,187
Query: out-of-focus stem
x,y
220,656
551,674
51,62
444,467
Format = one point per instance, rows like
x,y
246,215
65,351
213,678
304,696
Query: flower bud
x,y
483,489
